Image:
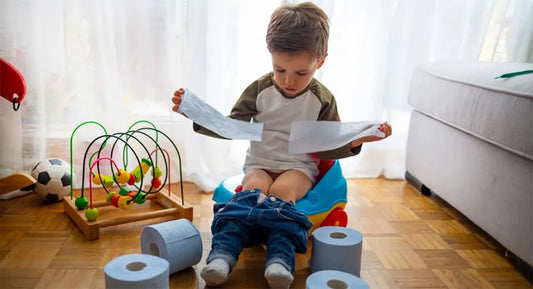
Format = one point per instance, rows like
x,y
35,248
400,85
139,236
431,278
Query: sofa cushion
x,y
467,96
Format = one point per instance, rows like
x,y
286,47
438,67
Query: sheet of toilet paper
x,y
178,241
334,279
306,136
137,271
332,242
205,115
316,136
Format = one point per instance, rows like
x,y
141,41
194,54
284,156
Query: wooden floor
x,y
410,241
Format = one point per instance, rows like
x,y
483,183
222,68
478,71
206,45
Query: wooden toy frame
x,y
170,204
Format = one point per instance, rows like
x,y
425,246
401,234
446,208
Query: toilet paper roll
x,y
336,248
136,271
178,241
334,279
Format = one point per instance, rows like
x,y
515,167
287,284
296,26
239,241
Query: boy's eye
x,y
302,74
280,70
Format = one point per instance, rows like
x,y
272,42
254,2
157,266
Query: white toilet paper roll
x,y
335,280
178,241
136,271
336,248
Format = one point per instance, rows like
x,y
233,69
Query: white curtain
x,y
119,62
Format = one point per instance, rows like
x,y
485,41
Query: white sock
x,y
216,272
278,276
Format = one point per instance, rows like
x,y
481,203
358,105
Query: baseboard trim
x,y
417,184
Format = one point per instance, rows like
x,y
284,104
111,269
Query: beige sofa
x,y
471,142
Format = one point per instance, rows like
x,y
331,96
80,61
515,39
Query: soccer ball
x,y
53,179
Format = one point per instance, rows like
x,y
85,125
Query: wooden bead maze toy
x,y
125,188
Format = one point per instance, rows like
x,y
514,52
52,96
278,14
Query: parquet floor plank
x,y
468,278
409,241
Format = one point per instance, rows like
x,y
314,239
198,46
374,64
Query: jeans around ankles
x,y
242,222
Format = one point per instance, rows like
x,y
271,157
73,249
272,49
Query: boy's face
x,y
294,71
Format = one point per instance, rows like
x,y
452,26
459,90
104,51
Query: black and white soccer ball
x,y
53,179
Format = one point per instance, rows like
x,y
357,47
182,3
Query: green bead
x,y
147,161
109,196
81,203
108,181
140,198
124,191
157,172
91,214
137,174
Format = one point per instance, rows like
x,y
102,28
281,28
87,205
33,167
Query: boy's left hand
x,y
384,127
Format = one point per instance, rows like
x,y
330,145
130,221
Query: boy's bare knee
x,y
291,186
257,179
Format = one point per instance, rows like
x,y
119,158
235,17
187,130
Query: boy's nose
x,y
289,80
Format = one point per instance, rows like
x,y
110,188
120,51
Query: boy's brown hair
x,y
299,28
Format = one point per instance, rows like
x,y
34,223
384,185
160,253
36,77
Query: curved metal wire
x,y
124,137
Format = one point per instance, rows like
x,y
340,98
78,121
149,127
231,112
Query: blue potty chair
x,y
324,204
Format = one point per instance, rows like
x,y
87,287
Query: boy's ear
x,y
321,62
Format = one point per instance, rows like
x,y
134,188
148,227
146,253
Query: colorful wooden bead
x,y
157,172
108,181
114,200
122,176
97,179
156,183
140,199
91,214
145,165
81,203
110,196
137,174
124,191
131,181
125,202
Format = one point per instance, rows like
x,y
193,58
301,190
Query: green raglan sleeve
x,y
244,109
246,106
329,112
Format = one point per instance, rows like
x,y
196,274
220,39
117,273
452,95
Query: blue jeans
x,y
242,222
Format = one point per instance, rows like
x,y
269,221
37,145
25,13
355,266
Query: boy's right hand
x,y
176,99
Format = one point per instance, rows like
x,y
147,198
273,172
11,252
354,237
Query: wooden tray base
x,y
171,205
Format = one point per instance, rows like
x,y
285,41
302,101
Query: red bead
x,y
131,181
114,200
156,183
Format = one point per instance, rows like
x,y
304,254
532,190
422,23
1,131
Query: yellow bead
x,y
145,167
124,202
122,177
96,179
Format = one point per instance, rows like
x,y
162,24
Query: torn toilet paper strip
x,y
306,136
208,117
316,136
